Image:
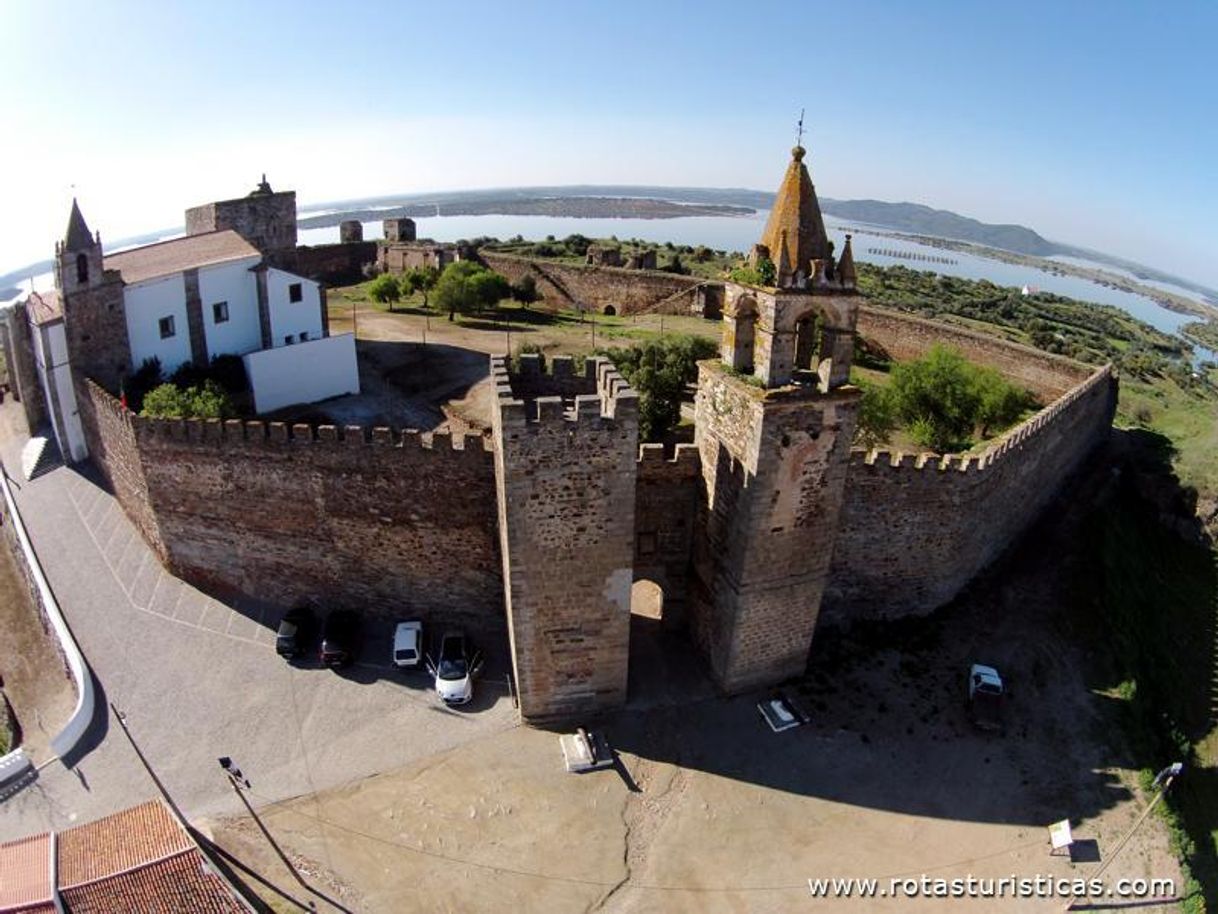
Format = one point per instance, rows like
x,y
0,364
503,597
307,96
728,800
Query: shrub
x,y
877,415
525,291
208,401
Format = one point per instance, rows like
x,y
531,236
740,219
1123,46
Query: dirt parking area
x,y
710,811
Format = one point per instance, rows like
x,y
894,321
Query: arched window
x,y
82,268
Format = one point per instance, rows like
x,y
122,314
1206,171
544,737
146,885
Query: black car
x,y
296,632
339,638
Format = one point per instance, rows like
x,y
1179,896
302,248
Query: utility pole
x,y
1164,781
235,781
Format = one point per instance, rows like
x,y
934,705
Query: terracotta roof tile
x,y
44,307
167,257
118,842
178,884
25,877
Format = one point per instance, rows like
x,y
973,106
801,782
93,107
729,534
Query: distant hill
x,y
631,200
922,220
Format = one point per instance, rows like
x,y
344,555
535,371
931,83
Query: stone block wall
x,y
665,510
915,530
335,263
773,471
568,285
386,523
565,468
114,449
905,337
95,324
267,221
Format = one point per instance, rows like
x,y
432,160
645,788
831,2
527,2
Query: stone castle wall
x,y
915,529
335,264
665,511
906,337
568,285
390,524
565,469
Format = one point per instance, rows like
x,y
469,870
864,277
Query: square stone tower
x,y
775,416
566,463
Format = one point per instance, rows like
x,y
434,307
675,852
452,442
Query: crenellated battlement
x,y
686,459
256,432
1013,442
534,395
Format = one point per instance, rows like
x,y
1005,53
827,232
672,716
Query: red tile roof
x,y
44,307
181,883
138,860
168,257
119,842
25,876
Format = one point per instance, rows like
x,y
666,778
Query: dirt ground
x,y
710,811
32,673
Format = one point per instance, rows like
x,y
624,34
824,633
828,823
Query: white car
x,y
455,669
408,645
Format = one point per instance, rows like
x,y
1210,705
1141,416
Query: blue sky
x,y
1092,122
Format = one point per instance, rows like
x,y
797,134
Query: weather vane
x,y
799,132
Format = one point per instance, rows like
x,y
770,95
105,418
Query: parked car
x,y
296,632
985,697
339,638
408,645
455,668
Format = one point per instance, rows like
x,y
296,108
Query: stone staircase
x,y
40,455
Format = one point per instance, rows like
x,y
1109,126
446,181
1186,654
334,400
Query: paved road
x,y
197,679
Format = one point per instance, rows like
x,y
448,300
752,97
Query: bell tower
x,y
95,321
78,258
775,416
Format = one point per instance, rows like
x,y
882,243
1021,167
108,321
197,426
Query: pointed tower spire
x,y
783,274
796,214
78,237
846,274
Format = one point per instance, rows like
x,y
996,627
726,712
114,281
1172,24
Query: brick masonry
x,y
565,469
915,529
773,467
387,523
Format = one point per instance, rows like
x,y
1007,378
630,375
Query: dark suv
x,y
339,638
296,632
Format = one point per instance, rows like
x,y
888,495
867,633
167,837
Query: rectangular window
x,y
219,312
304,336
166,325
288,340
295,293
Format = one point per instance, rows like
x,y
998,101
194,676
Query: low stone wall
x,y
906,337
568,285
386,523
915,529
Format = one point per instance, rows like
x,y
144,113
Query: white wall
x,y
51,360
292,319
146,303
304,373
236,284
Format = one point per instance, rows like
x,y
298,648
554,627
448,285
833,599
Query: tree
x,y
169,401
385,289
660,371
419,279
525,291
942,399
877,415
466,286
577,244
936,398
